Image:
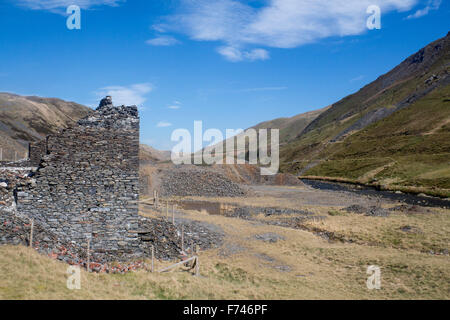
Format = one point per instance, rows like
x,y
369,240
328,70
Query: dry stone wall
x,y
87,183
36,151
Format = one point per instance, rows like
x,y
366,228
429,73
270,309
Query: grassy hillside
x,y
28,119
291,127
319,269
394,132
409,148
148,154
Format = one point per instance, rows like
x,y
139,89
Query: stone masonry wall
x,y
36,151
87,183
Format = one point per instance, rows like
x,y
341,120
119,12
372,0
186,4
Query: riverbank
x,y
430,192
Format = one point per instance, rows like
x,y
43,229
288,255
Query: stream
x,y
408,198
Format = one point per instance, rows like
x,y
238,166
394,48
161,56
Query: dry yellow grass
x,y
247,268
429,231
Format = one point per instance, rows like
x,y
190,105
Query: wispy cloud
x,y
230,53
256,54
176,105
53,5
243,29
163,41
263,89
432,5
163,124
134,94
358,78
234,54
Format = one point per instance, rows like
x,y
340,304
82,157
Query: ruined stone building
x,y
87,181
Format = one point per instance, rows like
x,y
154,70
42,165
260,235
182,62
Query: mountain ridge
x,y
25,119
389,133
417,62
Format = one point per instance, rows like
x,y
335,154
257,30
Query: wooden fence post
x,y
88,255
197,262
178,264
182,237
173,214
31,233
153,258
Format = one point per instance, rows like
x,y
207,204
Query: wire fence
x,y
8,155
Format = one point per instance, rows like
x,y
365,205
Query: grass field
x,y
303,266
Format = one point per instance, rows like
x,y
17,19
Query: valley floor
x,y
312,250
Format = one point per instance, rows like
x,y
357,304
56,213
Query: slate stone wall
x,y
87,183
36,151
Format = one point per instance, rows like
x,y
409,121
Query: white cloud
x,y
159,27
230,53
53,5
278,24
234,54
432,5
358,78
176,105
134,94
163,124
257,54
163,41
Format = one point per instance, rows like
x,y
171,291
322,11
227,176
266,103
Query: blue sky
x,y
229,63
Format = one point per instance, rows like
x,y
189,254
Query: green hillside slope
x,y
290,128
393,133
